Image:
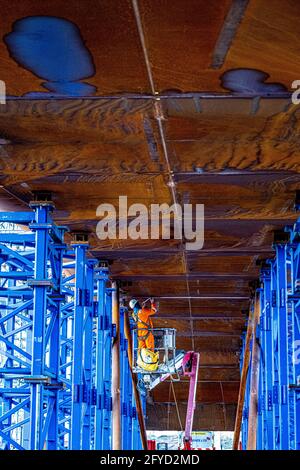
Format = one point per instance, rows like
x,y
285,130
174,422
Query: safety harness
x,y
142,337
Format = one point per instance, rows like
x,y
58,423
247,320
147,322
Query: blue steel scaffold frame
x,y
278,334
56,337
82,392
105,333
33,344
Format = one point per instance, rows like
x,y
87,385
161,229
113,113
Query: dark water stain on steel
x,y
250,81
52,48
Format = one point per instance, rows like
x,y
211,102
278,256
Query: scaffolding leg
x,y
88,359
116,367
77,371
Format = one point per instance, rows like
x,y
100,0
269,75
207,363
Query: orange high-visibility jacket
x,y
144,323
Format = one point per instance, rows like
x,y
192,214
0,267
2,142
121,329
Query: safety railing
x,y
164,347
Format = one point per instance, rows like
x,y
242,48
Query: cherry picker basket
x,y
164,346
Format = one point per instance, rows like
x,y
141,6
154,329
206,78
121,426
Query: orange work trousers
x,y
146,342
144,323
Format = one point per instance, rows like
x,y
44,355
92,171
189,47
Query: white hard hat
x,y
133,303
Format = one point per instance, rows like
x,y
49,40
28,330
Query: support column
x,y
267,370
116,399
54,360
109,334
281,304
124,382
40,286
88,356
294,342
254,383
243,383
77,369
102,362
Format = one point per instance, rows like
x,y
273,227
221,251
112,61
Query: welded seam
x,y
228,32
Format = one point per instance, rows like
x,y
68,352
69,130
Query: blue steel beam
x,y
267,365
102,361
38,336
282,338
77,371
88,358
109,334
17,217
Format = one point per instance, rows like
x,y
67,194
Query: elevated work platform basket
x,y
164,345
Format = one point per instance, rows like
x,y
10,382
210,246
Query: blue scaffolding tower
x,y
55,340
278,336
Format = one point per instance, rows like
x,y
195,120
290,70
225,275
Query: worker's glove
x,y
152,300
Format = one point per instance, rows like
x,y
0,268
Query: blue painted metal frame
x,y
55,342
32,405
279,339
82,340
102,430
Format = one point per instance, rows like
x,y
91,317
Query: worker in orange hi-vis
x,y
147,358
